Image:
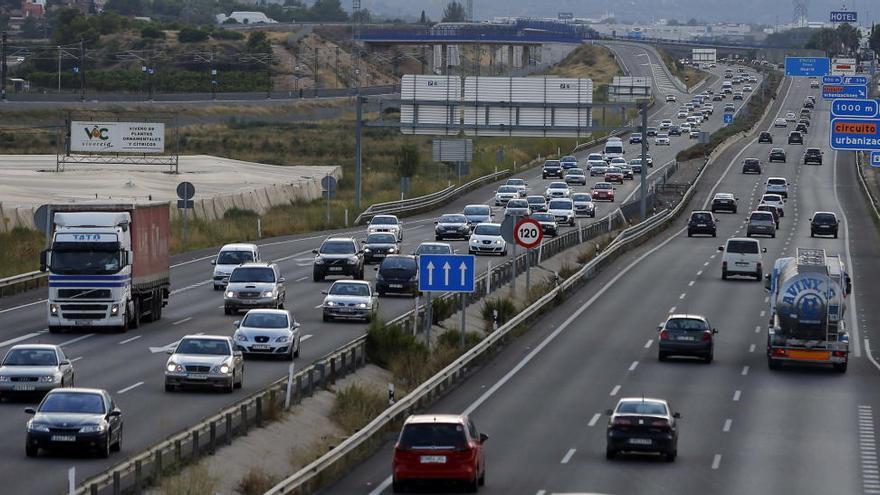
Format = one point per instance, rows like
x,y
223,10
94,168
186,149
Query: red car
x,y
442,447
614,174
602,191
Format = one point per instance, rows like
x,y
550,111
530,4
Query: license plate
x,y
198,376
741,263
24,388
433,459
640,441
82,323
395,286
701,225
63,438
809,355
379,255
685,338
335,268
260,347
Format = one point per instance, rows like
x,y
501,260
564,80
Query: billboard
x,y
844,16
423,117
705,55
843,66
117,137
452,150
624,88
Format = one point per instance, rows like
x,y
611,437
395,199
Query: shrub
x,y
385,342
225,34
442,309
255,482
191,35
240,214
452,339
152,32
505,307
356,406
195,480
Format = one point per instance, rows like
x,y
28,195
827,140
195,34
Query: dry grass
x,y
356,406
21,251
255,482
194,480
593,61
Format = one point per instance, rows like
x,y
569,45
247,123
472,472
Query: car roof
x,y
255,264
700,211
738,239
268,310
436,418
642,399
444,244
814,214
724,195
238,246
347,281
209,337
384,216
477,204
69,390
53,346
489,223
691,316
350,239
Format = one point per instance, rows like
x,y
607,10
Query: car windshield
x,y
824,218
516,182
337,247
560,204
85,258
581,197
265,320
486,229
544,217
432,435
558,185
73,402
594,157
349,289
602,185
433,249
772,198
536,200
381,239
723,196
551,163
752,161
569,158
695,324
477,210
383,221
642,407
742,247
207,347
701,217
575,171
507,189
398,263
777,150
518,203
243,274
234,257
453,219
776,182
761,216
31,357
614,149
613,170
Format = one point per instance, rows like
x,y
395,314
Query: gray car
x,y
205,361
761,223
451,226
583,205
517,208
34,368
576,176
537,203
433,248
686,335
268,332
350,300
254,285
476,214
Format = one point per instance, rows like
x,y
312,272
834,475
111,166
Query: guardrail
x,y
22,282
165,457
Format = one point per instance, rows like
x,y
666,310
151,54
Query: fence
x,y
22,282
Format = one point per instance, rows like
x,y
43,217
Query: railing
x,y
19,283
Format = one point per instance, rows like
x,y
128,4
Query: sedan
x,y
505,194
724,201
614,174
642,425
520,184
268,332
75,418
205,361
386,223
487,239
450,226
349,300
598,169
686,335
583,205
517,208
790,117
433,248
777,155
576,176
780,123
635,138
536,203
379,245
775,200
662,140
557,190
34,369
602,191
477,214
761,223
548,223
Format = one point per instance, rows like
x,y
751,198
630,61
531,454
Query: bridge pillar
x,y
437,64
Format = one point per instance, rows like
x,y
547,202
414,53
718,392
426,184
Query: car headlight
x,y
4,379
114,309
283,338
391,250
475,241
352,261
49,378
319,260
37,427
174,367
98,428
269,293
223,369
329,303
499,241
241,337
229,293
367,250
362,305
53,309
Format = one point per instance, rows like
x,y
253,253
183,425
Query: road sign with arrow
x,y
446,273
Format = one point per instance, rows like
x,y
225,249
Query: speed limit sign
x,y
528,233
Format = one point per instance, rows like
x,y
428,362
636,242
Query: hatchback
x,y
398,274
751,166
823,223
686,335
702,222
761,223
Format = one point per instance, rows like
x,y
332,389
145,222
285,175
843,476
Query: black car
x,y
674,130
453,226
823,223
75,419
635,138
813,155
642,425
548,223
765,137
795,137
686,335
801,128
398,274
724,202
378,245
751,166
338,256
702,222
552,168
777,155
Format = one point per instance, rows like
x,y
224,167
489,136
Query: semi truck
x,y
807,307
108,265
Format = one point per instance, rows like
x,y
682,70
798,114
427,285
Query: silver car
x,y
254,285
583,205
351,300
516,208
34,368
205,361
268,332
477,214
576,176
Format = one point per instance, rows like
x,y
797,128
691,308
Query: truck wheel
x,y
773,364
840,367
135,320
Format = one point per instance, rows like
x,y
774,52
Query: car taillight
x,y
724,265
779,353
622,422
839,354
660,423
401,448
707,336
664,335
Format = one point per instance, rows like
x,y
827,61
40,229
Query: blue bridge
x,y
523,32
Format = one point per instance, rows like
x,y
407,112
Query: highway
x,y
130,365
744,429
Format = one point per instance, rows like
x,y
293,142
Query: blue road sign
x,y
862,80
834,91
446,273
875,158
844,16
728,118
850,134
862,109
807,66
832,79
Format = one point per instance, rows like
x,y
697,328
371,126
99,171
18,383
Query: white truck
x,y
807,307
108,265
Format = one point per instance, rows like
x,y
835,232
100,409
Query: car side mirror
x,y
314,251
43,257
714,330
676,415
64,362
30,410
810,220
721,248
375,268
763,250
213,262
324,292
608,412
237,324
237,351
115,413
282,280
296,325
169,351
483,437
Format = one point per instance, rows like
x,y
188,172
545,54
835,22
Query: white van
x,y
613,149
229,257
742,256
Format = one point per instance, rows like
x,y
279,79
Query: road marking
x,y
178,322
302,278
78,339
767,299
633,366
648,343
75,359
168,347
130,340
682,296
21,306
763,313
594,419
540,492
745,370
857,350
867,443
752,348
691,283
870,356
706,264
132,387
712,257
567,456
306,337
699,273
716,461
727,423
319,306
672,310
23,337
737,395
758,329
614,390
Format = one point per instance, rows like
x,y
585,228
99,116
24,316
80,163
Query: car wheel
x,y
317,277
169,387
690,234
773,364
397,486
835,235
610,453
105,449
368,318
504,253
290,354
840,367
298,345
31,450
708,359
327,319
240,379
670,456
471,486
116,447
773,235
714,234
216,287
482,480
723,274
661,356
227,311
231,386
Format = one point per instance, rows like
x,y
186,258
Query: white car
x,y
520,184
777,185
665,124
682,114
670,98
487,239
774,200
780,122
746,89
597,168
790,117
685,128
229,257
583,204
617,162
563,210
662,140
694,134
742,256
576,176
594,158
386,223
350,300
268,332
505,194
557,190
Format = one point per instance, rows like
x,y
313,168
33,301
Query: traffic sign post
x,y
185,191
447,273
728,118
834,91
849,134
528,234
807,66
875,158
856,108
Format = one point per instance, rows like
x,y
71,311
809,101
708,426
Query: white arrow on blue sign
x,y
832,91
446,273
875,158
728,118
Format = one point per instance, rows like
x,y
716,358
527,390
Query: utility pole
x,y
82,69
213,77
336,70
315,68
3,66
359,117
269,72
59,69
643,201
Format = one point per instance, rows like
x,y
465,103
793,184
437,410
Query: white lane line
x,y
594,419
870,356
633,366
672,310
857,348
767,299
727,423
691,283
699,273
763,314
306,337
19,339
682,296
648,343
131,387
567,456
614,390
78,339
220,307
737,395
541,492
75,359
745,371
706,264
21,306
178,322
712,257
752,348
758,329
302,278
130,340
716,461
870,474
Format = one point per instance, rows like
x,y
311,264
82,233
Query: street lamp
x,y
296,69
213,84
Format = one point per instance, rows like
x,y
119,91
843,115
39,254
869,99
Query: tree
x,y
152,32
408,160
258,42
454,12
328,11
423,19
125,7
30,28
824,39
362,16
191,35
849,37
874,39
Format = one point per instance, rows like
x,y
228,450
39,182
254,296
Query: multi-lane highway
x,y
744,428
130,365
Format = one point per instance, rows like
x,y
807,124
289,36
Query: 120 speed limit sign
x,y
527,233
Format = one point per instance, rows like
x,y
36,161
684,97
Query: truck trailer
x,y
807,307
108,265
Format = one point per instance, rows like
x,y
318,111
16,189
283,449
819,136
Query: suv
x,y
702,222
813,155
761,223
777,155
751,166
724,201
742,256
552,168
777,185
338,256
765,137
686,335
254,285
795,137
823,223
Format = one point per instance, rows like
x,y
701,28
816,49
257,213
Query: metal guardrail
x,y
18,283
